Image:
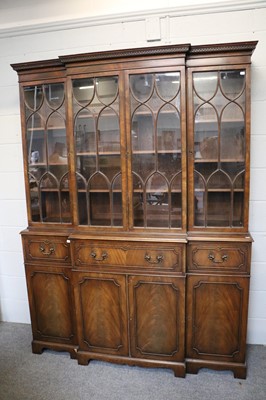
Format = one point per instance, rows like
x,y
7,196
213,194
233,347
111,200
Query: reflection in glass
x,y
156,149
205,84
142,86
168,85
108,131
232,83
83,90
33,96
85,132
54,94
107,89
142,129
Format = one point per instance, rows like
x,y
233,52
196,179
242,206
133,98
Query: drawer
x,y
128,254
46,248
219,256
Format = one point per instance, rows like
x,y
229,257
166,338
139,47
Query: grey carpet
x,y
54,376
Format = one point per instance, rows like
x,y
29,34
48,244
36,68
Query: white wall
x,y
228,22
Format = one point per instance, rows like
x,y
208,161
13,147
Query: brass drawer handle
x,y
101,258
224,258
47,248
158,259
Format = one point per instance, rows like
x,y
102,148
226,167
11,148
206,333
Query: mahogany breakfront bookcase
x,y
137,184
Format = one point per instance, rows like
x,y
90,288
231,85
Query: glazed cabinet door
x,y
101,309
99,149
51,307
46,153
217,318
156,134
157,307
219,132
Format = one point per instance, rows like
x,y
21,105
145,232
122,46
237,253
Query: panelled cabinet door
x,y
218,147
217,317
51,304
101,312
157,317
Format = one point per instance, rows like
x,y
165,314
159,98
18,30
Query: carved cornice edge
x,y
248,47
137,52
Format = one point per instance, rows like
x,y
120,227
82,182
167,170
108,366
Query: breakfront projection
x,y
136,164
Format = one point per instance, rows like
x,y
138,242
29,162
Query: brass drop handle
x,y
101,258
47,248
158,259
224,258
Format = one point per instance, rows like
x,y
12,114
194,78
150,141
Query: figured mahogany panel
x,y
101,313
216,257
129,254
46,248
50,303
217,309
157,317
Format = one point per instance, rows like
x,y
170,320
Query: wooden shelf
x,y
144,152
224,160
219,190
100,153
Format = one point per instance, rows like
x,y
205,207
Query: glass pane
x,y
219,180
168,129
108,131
238,211
142,86
169,164
205,84
157,201
206,133
232,83
199,207
65,207
54,94
176,201
117,201
56,140
232,133
142,129
138,210
36,140
109,165
85,132
107,89
83,90
50,206
100,209
168,85
33,96
143,165
86,166
218,209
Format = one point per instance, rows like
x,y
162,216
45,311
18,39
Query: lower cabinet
x,y
216,323
138,320
93,300
51,308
